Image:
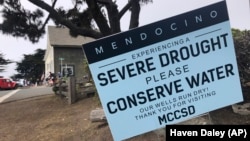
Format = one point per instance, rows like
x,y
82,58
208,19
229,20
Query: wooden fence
x,y
74,89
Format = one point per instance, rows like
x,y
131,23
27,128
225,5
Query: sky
x,y
15,48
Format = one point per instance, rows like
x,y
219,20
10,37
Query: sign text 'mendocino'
x,y
159,31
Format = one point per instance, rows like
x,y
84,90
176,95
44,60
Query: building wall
x,y
49,60
72,58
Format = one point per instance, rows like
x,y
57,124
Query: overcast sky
x,y
239,14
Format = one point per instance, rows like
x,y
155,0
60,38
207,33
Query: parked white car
x,y
20,82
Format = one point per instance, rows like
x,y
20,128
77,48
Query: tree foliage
x,y
92,18
32,66
3,62
242,47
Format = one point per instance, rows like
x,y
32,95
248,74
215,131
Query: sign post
x,y
166,72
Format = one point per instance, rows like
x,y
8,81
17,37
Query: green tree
x,y
3,62
242,47
31,66
92,18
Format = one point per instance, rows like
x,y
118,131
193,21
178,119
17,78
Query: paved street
x,y
23,93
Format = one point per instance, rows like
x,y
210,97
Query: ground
x,y
51,118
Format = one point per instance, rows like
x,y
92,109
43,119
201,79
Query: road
x,y
23,93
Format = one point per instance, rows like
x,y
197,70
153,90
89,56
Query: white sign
x,y
166,72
